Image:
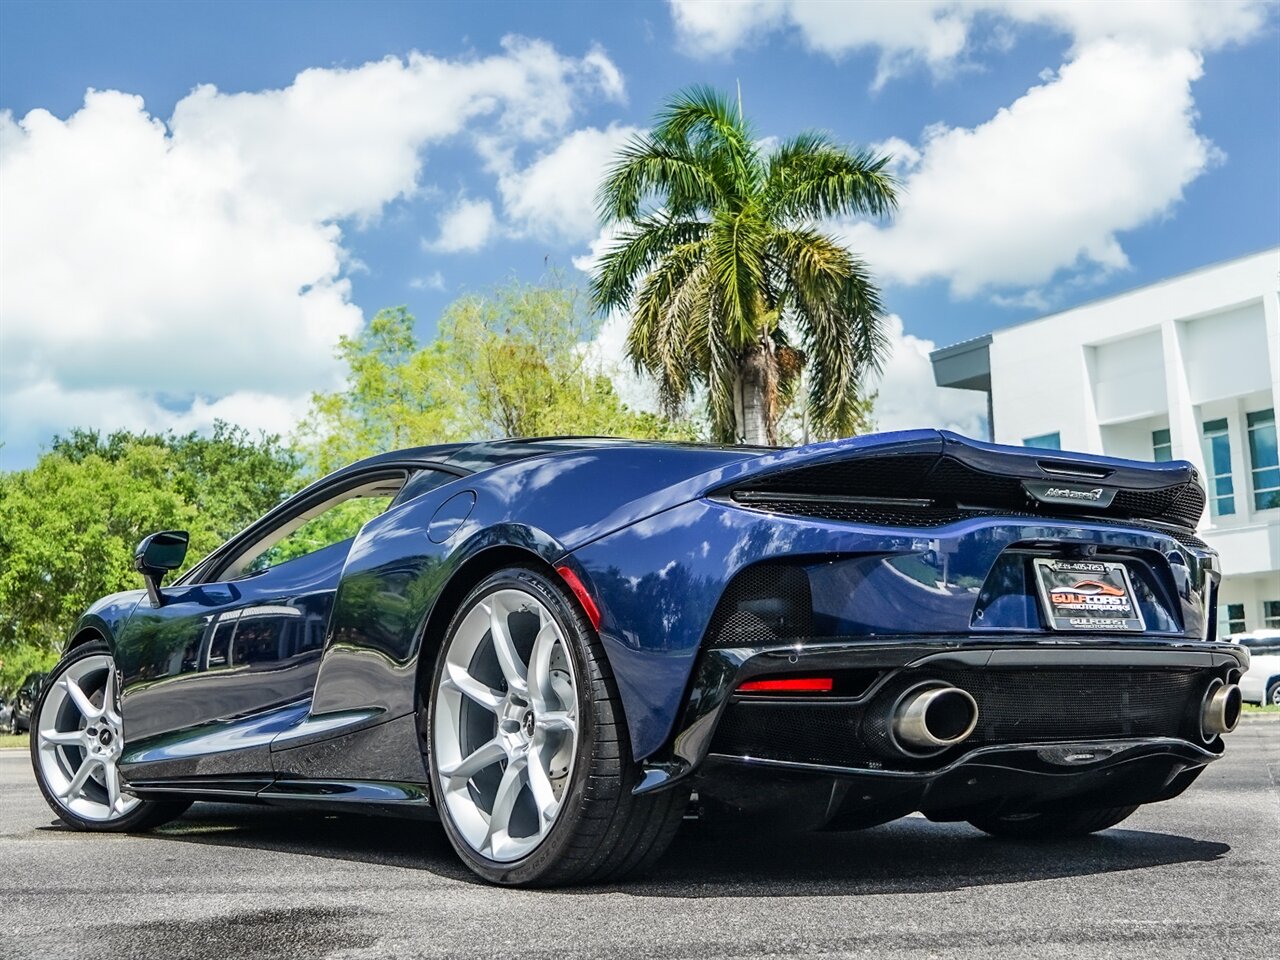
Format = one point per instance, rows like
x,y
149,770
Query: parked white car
x,y
1262,683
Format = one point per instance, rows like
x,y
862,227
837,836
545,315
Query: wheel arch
x,y
474,569
89,630
470,573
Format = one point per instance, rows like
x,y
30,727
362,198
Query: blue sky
x,y
1052,153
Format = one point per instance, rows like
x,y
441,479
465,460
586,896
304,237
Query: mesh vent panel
x,y
889,476
766,603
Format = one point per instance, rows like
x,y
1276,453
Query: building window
x,y
1217,458
1271,613
1235,618
1047,441
1263,459
1161,446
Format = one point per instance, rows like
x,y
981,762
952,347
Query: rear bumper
x,y
1084,696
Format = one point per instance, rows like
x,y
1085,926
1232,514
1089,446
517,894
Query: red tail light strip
x,y
789,685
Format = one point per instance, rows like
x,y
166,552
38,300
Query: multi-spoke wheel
x,y
76,741
527,745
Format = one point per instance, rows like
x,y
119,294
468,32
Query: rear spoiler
x,y
931,469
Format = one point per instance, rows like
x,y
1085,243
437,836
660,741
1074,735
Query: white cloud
x,y
465,227
1196,24
555,195
52,408
607,75
903,157
1048,182
432,281
157,274
938,33
599,246
712,28
908,397
607,353
1104,144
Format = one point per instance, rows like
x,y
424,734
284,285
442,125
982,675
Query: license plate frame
x,y
1081,596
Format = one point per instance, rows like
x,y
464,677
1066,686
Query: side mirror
x,y
157,555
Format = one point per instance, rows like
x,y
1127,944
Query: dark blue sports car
x,y
553,646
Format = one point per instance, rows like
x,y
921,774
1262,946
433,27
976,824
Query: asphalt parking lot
x,y
1195,877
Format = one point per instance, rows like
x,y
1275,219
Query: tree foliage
x,y
730,284
511,363
69,525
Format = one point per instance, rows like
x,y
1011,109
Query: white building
x,y
1187,368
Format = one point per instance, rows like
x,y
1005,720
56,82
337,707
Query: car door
x,y
196,671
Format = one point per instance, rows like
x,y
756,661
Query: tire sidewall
x,y
1272,696
533,867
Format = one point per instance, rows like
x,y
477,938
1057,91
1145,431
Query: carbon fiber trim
x,y
930,489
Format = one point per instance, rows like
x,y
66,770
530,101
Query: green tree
x,y
514,362
69,525
392,399
719,261
517,365
230,477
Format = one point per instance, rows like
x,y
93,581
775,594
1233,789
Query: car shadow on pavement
x,y
912,855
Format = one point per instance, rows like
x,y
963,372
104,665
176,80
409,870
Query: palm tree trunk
x,y
752,407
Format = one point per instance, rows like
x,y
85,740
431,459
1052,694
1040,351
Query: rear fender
x,y
391,589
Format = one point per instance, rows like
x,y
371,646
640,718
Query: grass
x,y
1254,708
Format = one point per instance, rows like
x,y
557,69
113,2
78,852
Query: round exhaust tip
x,y
1220,712
934,718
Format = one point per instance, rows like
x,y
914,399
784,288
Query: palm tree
x,y
719,260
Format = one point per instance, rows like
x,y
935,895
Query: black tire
x,y
146,815
1052,824
1273,694
603,832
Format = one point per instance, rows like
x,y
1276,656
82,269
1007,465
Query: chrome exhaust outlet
x,y
1220,711
933,718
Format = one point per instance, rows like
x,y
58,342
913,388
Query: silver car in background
x,y
1262,683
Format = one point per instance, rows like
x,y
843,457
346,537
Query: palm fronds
x,y
719,255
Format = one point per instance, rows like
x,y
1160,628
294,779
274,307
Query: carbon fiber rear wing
x,y
928,471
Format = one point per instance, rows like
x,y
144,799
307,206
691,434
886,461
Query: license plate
x,y
1087,595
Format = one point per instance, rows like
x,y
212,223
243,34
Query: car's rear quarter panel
x,y
537,509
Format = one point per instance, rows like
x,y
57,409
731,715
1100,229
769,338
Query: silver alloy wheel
x,y
505,724
80,739
1275,695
